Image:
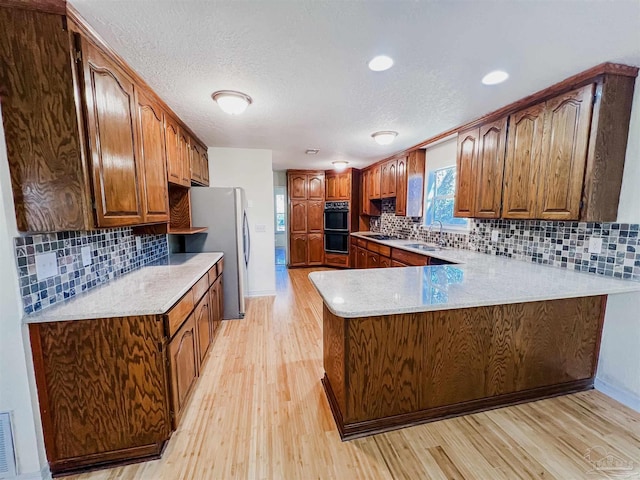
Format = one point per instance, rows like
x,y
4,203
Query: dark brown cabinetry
x,y
338,186
83,130
388,177
306,217
375,178
111,390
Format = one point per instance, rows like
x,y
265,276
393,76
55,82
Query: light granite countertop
x,y
477,280
151,290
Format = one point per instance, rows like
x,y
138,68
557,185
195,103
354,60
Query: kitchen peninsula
x,y
403,346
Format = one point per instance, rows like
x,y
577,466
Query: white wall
x,y
17,382
251,169
619,365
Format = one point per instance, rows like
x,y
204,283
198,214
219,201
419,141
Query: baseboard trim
x,y
261,293
623,396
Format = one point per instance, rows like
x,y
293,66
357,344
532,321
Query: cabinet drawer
x,y
200,288
409,258
362,243
395,263
354,241
336,259
179,313
378,248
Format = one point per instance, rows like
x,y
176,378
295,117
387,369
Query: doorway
x,y
280,229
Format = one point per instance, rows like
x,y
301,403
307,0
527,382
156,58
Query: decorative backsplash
x,y
113,253
562,244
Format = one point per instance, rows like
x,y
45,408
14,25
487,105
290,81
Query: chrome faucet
x,y
439,242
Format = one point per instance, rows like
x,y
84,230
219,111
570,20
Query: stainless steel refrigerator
x,y
224,212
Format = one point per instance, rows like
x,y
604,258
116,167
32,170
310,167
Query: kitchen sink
x,y
423,247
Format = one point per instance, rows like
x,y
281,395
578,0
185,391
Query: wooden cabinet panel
x,y
522,162
315,249
385,262
298,249
298,186
315,216
111,127
204,159
373,260
331,185
202,315
183,366
466,172
401,187
344,186
214,308
174,165
388,177
395,263
298,217
361,258
364,192
409,258
337,259
374,183
153,156
564,153
196,163
184,148
490,169
315,184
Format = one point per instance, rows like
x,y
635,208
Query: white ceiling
x,y
304,62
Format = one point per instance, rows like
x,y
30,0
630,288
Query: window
x,y
280,226
439,199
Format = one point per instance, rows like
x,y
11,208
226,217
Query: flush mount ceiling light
x,y
495,77
312,151
340,165
384,137
380,63
231,102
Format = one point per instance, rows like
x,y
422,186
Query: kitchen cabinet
x,y
373,260
174,161
374,183
203,316
338,185
306,217
388,177
410,184
385,262
367,207
82,129
111,128
183,365
184,153
361,260
153,158
199,164
465,172
490,169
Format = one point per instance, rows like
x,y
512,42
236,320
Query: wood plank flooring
x,y
259,412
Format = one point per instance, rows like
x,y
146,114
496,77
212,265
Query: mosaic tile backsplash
x,y
561,244
113,254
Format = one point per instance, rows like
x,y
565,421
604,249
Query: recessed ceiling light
x,y
340,165
495,77
384,137
381,63
312,151
232,102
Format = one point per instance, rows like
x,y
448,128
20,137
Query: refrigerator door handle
x,y
247,240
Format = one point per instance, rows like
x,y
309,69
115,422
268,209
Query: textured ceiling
x,y
304,62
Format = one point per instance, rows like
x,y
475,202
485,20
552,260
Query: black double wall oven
x,y
336,227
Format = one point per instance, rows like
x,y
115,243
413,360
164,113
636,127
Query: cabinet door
x,y
315,248
392,178
203,322
204,166
522,163
196,163
465,172
385,262
384,180
489,169
395,263
174,166
567,121
214,310
364,193
415,183
315,216
298,186
401,187
331,182
183,366
344,186
298,250
184,147
361,258
315,185
374,183
220,282
373,260
298,220
113,143
153,155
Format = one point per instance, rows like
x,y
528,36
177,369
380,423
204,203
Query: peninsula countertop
x,y
477,280
151,290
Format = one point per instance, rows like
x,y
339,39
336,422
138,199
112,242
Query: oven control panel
x,y
340,206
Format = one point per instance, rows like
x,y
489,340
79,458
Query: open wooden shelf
x,y
186,231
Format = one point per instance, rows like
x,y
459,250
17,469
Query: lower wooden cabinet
x,y
385,262
203,314
373,260
183,365
298,250
315,243
361,258
338,259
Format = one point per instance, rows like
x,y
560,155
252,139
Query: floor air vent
x,y
7,455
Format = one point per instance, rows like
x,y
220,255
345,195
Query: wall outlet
x,y
46,265
595,245
495,235
261,228
86,256
138,245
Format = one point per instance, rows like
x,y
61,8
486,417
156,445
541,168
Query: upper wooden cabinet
x,y
338,185
298,186
388,177
199,164
315,186
82,129
111,127
489,170
410,184
374,183
153,157
466,164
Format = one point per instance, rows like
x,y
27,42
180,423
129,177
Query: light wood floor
x,y
259,412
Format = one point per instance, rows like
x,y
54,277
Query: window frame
x,y
429,203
